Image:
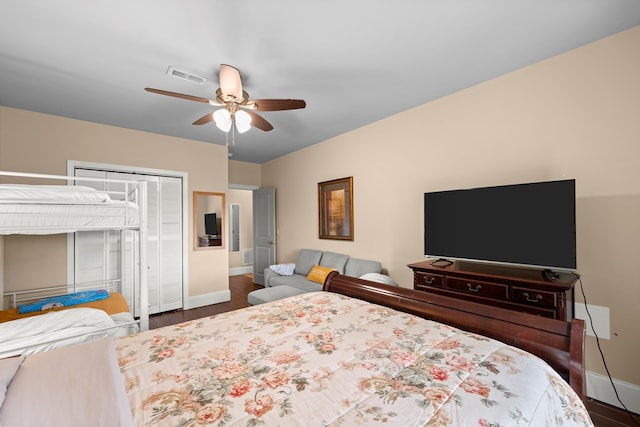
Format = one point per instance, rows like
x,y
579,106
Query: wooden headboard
x,y
559,343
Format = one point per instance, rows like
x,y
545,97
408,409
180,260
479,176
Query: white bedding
x,y
71,194
75,325
49,219
49,209
324,359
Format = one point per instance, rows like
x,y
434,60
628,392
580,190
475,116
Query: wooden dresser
x,y
519,289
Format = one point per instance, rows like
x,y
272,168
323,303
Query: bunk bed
x,y
39,204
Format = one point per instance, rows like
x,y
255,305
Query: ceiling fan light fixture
x,y
233,100
223,120
243,121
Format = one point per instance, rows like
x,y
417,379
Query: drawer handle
x,y
536,299
429,280
472,289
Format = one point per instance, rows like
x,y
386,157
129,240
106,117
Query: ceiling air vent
x,y
185,75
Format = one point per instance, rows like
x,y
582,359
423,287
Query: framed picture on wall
x,y
335,209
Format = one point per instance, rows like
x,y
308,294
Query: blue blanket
x,y
64,300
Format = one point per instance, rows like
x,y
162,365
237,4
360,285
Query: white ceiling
x,y
353,61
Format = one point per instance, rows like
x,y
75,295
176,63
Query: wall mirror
x,y
208,220
234,227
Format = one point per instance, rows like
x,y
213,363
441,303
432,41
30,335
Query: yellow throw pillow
x,y
318,273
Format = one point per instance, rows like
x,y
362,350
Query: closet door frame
x,y
72,165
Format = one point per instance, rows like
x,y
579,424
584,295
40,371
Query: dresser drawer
x,y
476,287
534,297
511,288
422,280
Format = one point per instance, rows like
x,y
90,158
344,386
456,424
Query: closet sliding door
x,y
97,255
169,244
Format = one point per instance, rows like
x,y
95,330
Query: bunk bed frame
x,y
125,218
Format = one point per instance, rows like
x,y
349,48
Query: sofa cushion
x,y
318,273
295,281
357,267
307,258
260,296
334,260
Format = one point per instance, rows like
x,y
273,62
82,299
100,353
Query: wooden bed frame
x,y
559,343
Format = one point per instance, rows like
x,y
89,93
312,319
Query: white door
x,y
165,243
264,231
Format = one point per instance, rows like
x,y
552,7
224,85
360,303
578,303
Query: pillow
x,y
379,278
283,269
66,300
319,273
8,368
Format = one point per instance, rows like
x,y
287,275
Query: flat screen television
x,y
529,225
210,224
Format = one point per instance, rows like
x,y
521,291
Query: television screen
x,y
210,224
526,224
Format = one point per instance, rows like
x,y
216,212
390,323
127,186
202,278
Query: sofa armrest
x,y
268,274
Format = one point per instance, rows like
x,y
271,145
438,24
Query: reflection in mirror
x,y
234,231
208,220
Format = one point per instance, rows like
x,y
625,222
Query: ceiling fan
x,y
237,109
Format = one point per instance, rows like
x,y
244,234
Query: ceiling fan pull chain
x,y
233,130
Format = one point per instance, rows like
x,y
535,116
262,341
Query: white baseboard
x,y
238,271
599,388
208,299
216,297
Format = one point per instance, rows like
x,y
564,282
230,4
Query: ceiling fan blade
x,y
259,122
278,104
230,82
180,95
204,119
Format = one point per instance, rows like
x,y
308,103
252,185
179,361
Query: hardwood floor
x,y
603,415
239,286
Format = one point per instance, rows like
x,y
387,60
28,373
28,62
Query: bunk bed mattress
x,y
113,305
29,333
64,218
56,329
326,359
47,209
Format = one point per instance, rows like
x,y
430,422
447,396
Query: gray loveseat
x,y
307,258
278,286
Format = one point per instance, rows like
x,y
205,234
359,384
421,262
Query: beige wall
x,y
39,143
244,174
244,198
243,177
573,116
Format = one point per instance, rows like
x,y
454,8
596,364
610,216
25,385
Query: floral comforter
x,y
321,359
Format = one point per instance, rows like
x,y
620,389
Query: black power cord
x,y
604,362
